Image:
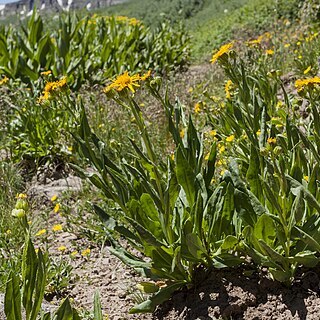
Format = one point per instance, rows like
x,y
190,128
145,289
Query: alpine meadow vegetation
x,y
181,181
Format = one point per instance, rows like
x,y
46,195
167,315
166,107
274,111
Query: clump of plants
x,y
253,193
90,49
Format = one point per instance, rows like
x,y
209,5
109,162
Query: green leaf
x,y
65,311
297,209
164,294
265,229
194,246
185,177
280,275
97,308
254,172
210,167
311,200
306,258
229,243
148,287
12,298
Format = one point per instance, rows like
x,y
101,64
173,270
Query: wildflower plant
x,y
169,211
279,213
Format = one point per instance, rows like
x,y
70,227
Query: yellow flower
x,y
272,140
51,88
124,81
41,232
306,178
8,232
146,76
197,107
182,133
207,157
46,73
85,252
300,84
62,248
287,45
227,88
230,138
4,80
222,51
190,90
221,148
213,133
54,198
21,196
57,227
269,52
56,208
74,253
307,70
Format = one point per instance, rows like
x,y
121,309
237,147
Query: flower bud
x,y
21,204
277,150
18,213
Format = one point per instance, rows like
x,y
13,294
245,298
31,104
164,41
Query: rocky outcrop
x,y
25,7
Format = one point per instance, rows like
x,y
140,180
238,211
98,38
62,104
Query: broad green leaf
x,y
194,246
164,294
253,173
229,243
265,229
185,177
65,311
12,298
306,258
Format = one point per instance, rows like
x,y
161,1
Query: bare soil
x,y
229,294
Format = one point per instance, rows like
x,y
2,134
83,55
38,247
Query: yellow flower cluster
x,y
222,51
131,21
310,82
51,88
126,81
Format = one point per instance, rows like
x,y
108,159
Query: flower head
x,y
230,138
46,73
222,51
124,81
269,52
41,232
56,208
85,252
4,80
57,227
272,140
